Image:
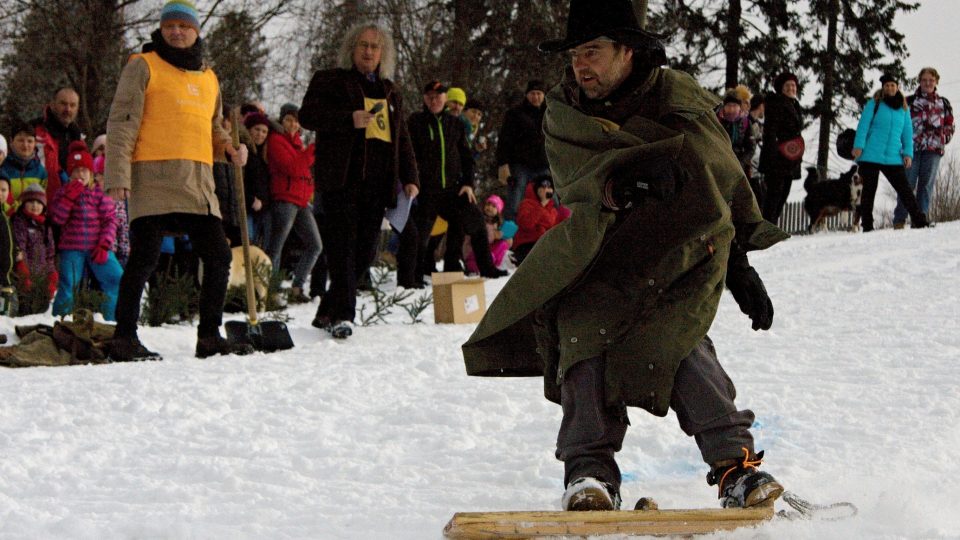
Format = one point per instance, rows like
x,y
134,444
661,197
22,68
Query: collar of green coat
x,y
677,94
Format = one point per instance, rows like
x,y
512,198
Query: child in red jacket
x,y
537,214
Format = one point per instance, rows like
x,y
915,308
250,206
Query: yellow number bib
x,y
379,127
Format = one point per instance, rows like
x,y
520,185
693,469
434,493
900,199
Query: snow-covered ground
x,y
856,390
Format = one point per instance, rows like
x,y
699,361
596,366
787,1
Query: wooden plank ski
x,y
513,525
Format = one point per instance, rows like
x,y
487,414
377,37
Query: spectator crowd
x,y
76,214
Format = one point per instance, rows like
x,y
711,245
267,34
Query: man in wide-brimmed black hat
x,y
661,214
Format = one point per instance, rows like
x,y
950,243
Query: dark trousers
x,y
209,244
897,176
462,218
703,395
319,274
778,190
350,233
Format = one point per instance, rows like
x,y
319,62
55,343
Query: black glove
x,y
637,180
748,290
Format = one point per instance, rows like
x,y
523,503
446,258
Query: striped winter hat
x,y
180,10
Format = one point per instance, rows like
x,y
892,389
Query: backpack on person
x,y
845,143
846,137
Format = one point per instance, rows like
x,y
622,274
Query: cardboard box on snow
x,y
457,299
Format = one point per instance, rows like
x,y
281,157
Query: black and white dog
x,y
830,197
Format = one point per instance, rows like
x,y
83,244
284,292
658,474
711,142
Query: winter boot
x,y
337,329
340,329
129,349
585,494
212,345
296,296
742,484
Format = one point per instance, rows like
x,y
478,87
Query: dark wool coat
x,y
520,139
256,177
328,108
783,120
641,291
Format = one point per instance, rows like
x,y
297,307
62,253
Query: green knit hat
x,y
180,10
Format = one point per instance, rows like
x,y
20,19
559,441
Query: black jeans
x,y
778,186
462,218
703,398
897,176
350,233
209,244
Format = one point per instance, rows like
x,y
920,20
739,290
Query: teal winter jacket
x,y
884,134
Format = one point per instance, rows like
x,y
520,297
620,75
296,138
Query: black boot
x,y
743,485
212,345
922,223
129,349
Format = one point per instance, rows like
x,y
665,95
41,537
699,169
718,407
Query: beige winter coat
x,y
156,187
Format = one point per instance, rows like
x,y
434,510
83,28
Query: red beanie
x,y
78,156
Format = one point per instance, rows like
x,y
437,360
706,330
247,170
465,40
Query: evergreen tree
x,y
236,51
860,39
55,43
748,41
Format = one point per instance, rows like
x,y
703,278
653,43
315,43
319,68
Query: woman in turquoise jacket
x,y
884,143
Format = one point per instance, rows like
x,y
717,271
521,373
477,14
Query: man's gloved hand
x,y
748,290
637,180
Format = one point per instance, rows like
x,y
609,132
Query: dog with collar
x,y
828,198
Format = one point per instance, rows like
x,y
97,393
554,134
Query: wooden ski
x,y
482,525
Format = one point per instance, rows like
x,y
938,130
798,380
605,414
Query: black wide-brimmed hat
x,y
590,19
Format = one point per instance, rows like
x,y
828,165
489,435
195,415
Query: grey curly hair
x,y
388,58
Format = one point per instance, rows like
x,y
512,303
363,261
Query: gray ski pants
x,y
703,394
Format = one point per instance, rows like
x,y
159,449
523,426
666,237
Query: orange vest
x,y
178,111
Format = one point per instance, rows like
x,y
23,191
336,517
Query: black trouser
x,y
209,244
778,190
897,176
319,274
350,233
462,218
408,255
591,432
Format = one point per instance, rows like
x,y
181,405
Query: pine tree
x,y
746,40
236,51
860,38
77,43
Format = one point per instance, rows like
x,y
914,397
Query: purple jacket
x,y
35,240
88,222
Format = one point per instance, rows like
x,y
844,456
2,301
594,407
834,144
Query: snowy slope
x,y
383,436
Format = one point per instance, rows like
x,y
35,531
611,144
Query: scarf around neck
x,y
895,101
190,59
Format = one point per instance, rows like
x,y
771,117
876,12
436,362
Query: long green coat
x,y
640,287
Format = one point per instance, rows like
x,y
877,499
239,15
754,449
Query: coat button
x,y
573,340
650,366
538,350
659,291
603,331
653,394
652,282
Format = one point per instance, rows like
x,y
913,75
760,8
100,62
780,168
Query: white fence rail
x,y
795,221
